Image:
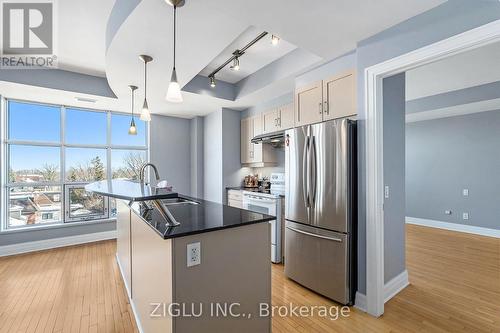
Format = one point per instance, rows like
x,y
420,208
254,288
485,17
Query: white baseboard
x,y
360,301
395,285
391,289
454,227
8,250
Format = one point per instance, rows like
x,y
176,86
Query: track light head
x,y
275,40
212,82
236,64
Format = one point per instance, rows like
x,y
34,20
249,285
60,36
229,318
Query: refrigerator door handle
x,y
305,172
315,235
313,172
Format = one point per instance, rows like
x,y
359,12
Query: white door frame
x,y
374,75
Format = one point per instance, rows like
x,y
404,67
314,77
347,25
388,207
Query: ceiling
x,y
449,81
464,70
81,35
326,28
259,55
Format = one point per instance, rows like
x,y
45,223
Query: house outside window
x,y
49,153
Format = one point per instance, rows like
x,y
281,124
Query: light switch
x,y
386,192
465,192
447,212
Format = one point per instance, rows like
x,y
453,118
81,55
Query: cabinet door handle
x,y
320,108
327,111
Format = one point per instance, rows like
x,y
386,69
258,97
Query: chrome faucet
x,y
143,169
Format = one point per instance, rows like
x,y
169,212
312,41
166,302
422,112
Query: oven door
x,y
270,207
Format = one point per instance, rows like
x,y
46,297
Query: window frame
x,y
6,142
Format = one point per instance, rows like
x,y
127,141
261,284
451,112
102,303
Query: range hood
x,y
275,139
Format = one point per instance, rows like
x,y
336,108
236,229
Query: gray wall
x,y
232,171
212,157
170,147
451,18
265,106
66,230
394,175
445,156
59,79
197,157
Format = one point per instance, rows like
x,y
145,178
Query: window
x,y
51,152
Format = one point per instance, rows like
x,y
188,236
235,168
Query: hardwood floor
x,y
455,287
72,289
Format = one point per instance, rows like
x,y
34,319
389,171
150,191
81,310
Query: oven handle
x,y
256,198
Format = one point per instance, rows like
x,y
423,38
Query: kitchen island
x,y
190,265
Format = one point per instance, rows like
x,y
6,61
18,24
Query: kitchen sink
x,y
178,201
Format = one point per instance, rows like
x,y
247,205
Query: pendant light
x,y
145,114
132,130
174,90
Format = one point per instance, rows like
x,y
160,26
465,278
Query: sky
x,y
40,123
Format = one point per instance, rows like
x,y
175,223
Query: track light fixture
x,y
236,64
275,40
235,59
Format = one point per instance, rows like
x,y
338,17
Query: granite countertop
x,y
129,190
206,216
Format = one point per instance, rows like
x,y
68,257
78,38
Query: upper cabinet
x,y
309,104
255,155
327,99
278,119
339,96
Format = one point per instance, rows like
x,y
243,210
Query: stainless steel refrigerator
x,y
320,209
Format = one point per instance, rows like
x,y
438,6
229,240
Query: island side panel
x,y
151,277
123,250
235,268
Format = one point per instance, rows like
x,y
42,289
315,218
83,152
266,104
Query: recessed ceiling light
x,y
275,40
86,100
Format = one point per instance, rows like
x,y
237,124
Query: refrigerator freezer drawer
x,y
318,259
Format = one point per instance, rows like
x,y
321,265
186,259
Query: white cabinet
x,y
339,96
332,98
278,119
309,104
285,117
123,243
254,154
235,198
270,120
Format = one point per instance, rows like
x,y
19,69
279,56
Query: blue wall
x,y
446,20
445,156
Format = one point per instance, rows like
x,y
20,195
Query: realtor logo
x,y
28,32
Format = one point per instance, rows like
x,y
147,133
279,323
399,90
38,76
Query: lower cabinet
x,y
234,198
152,271
123,249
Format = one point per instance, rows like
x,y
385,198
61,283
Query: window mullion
x,y
63,163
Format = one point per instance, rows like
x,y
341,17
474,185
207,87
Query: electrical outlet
x,y
193,254
465,216
465,192
386,192
447,212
